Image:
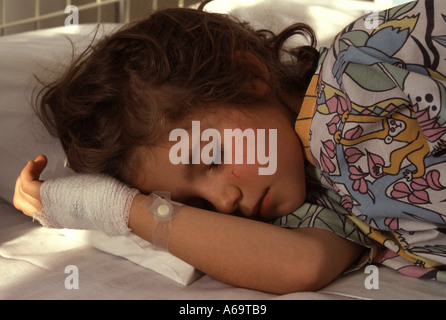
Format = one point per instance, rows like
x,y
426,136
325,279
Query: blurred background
x,y
25,15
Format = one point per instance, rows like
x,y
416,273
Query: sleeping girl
x,y
359,142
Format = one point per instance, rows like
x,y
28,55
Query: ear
x,y
259,70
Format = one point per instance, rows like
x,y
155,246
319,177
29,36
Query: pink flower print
x,y
433,180
419,197
333,124
434,134
418,184
329,147
415,194
400,190
352,155
347,202
332,104
376,164
338,104
359,183
354,133
327,164
419,194
431,129
392,223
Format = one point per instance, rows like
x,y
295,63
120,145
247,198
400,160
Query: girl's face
x,y
232,188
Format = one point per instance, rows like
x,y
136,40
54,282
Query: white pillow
x,y
23,136
141,252
326,17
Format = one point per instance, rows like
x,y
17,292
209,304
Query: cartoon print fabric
x,y
374,123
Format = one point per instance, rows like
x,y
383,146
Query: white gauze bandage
x,y
88,202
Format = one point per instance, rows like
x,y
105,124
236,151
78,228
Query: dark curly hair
x,y
125,90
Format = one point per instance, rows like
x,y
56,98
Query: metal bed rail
x,y
122,9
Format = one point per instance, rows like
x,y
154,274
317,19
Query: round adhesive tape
x,y
163,210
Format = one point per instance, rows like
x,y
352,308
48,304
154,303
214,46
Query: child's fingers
x,y
27,189
29,179
33,169
23,201
39,165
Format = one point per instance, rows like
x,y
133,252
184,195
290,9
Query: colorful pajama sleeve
x,y
374,123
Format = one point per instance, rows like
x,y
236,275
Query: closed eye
x,y
217,159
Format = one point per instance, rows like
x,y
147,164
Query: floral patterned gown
x,y
373,125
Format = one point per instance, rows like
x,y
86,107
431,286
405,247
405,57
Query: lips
x,y
262,206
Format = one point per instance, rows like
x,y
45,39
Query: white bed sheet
x,y
33,259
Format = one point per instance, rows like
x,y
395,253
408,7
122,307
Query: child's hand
x,y
27,188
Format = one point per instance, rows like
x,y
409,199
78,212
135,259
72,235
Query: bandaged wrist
x,y
163,211
86,201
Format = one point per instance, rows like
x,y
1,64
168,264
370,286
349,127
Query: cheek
x,y
234,172
291,163
242,172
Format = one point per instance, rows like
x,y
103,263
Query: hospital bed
x,y
40,263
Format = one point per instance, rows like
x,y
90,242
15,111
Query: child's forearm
x,y
235,250
249,253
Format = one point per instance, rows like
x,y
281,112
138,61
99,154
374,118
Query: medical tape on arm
x,y
163,211
88,202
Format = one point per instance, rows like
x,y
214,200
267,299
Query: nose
x,y
225,198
